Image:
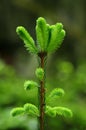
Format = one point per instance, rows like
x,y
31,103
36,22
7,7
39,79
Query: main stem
x,y
42,92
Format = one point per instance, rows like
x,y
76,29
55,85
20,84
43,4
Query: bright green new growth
x,y
63,111
42,33
31,109
50,112
17,111
30,84
49,38
39,73
53,111
57,36
28,40
57,92
28,108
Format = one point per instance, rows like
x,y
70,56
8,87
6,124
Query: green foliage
x,y
52,111
74,85
42,33
31,109
49,37
55,93
63,111
39,73
29,84
17,111
56,37
28,40
12,94
28,108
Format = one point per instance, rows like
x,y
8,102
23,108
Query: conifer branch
x,y
49,38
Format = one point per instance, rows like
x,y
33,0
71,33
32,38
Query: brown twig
x,y
42,91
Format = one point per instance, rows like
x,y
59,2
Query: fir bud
x,y
39,73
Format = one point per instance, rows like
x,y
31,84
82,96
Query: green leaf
x,y
17,111
31,109
28,40
42,33
56,37
63,111
50,111
39,73
55,93
29,84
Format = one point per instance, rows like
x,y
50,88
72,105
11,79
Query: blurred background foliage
x,y
68,70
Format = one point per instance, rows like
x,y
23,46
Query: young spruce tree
x,y
49,39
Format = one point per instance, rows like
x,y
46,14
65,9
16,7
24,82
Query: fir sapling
x,y
49,39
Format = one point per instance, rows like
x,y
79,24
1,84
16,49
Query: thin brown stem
x,y
42,92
